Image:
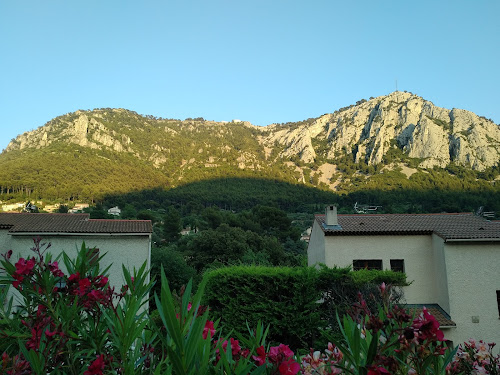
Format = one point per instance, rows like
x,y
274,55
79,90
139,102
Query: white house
x,y
115,211
452,260
125,242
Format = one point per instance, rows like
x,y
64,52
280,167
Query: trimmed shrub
x,y
297,303
285,298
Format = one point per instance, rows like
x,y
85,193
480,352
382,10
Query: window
x,y
93,256
368,264
498,302
398,265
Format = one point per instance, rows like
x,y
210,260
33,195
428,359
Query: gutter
x,y
41,234
472,240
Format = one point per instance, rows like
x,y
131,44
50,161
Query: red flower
x,y
96,367
83,286
54,268
101,281
260,358
74,277
278,354
209,328
24,267
235,347
289,367
379,370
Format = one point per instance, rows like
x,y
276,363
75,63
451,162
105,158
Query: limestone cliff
x,y
432,135
423,131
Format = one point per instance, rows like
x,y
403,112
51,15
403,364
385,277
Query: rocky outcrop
x,y
434,136
420,129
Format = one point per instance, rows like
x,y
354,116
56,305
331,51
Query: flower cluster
x,y
322,363
474,358
91,291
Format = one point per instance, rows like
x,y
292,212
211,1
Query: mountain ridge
x,y
400,133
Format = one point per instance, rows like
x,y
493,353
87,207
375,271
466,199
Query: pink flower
x,y
96,367
382,288
289,367
209,328
24,267
277,354
260,358
74,277
379,370
235,347
101,281
83,286
54,268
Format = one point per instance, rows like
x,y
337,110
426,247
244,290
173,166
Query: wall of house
x,y
316,247
473,278
416,251
131,250
440,272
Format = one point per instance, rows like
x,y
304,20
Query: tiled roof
x,y
435,310
69,223
462,226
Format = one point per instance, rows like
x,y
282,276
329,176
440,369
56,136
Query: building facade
x,y
451,260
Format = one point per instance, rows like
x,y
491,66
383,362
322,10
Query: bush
x,y
242,294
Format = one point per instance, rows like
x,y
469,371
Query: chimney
x,y
331,215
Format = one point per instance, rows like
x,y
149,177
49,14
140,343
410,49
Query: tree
x,y
63,209
172,225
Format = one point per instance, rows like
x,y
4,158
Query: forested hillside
x,y
395,145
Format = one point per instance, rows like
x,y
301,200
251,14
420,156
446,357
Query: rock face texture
x,y
421,130
433,135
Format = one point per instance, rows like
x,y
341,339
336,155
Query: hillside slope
x,y
388,142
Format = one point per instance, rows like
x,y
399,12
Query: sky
x,y
263,61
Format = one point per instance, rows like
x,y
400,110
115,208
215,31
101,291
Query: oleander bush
x,y
74,322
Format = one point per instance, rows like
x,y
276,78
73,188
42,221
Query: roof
x,y
435,310
18,223
459,226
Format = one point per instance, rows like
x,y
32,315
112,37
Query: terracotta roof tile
x,y
435,310
464,226
69,223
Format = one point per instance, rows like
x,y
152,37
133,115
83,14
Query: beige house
x,y
452,260
125,242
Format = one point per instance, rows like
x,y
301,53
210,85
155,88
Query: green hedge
x,y
298,303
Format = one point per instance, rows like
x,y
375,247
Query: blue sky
x,y
259,61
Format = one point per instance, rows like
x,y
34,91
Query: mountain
x,y
396,141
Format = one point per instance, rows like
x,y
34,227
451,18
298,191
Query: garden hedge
x,y
297,302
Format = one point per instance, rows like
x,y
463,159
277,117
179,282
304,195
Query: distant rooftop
x,y
18,223
459,226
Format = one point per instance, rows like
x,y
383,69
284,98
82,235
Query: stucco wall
x,y
473,278
416,251
440,273
316,247
129,250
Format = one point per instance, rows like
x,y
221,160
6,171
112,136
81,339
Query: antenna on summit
x,y
396,85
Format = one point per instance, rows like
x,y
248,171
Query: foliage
x,y
238,295
242,294
172,225
78,324
177,272
69,322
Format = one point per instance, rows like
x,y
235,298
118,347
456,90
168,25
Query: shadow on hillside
x,y
244,193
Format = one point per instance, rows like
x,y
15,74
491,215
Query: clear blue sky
x,y
262,61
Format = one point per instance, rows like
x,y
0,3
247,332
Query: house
x,y
125,242
452,260
115,211
79,207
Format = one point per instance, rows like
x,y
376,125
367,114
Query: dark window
x,y
498,301
368,264
93,256
398,265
